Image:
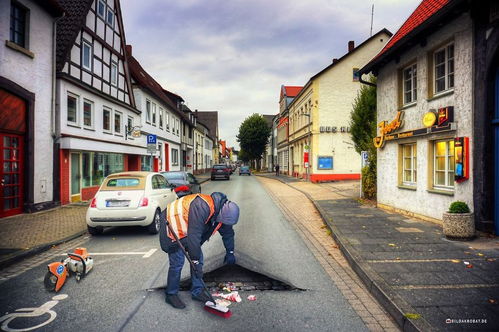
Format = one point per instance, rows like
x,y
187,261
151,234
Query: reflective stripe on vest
x,y
178,214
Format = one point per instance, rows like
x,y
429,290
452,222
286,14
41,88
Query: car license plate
x,y
117,203
219,171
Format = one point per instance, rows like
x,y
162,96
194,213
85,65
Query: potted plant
x,y
458,222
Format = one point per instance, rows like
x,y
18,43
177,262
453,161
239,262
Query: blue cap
x,y
229,213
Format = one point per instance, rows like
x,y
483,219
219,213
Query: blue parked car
x,y
244,170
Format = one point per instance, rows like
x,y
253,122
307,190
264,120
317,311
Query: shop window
x,y
88,114
96,166
148,111
443,68
19,18
106,119
410,84
408,154
146,163
443,164
72,109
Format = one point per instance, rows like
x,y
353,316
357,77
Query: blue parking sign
x,y
151,139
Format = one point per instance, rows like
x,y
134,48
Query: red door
x,y
11,174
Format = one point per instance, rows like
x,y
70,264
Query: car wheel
x,y
95,230
153,228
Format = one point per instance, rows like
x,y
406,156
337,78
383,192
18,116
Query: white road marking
x,y
149,253
32,312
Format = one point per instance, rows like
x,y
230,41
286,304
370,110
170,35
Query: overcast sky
x,y
232,56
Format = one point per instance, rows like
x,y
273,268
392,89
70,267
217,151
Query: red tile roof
x,y
425,10
292,91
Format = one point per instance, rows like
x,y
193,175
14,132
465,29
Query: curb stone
x,y
393,304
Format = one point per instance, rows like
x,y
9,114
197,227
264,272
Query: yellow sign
x,y
386,128
429,119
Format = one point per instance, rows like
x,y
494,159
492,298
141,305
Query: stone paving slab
x,y
414,271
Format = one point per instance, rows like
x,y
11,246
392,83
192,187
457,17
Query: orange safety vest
x,y
178,214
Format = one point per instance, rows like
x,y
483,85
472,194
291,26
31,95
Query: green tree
x,y
253,136
363,128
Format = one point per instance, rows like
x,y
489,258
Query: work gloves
x,y
230,258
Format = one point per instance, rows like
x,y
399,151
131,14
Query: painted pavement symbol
x,y
45,308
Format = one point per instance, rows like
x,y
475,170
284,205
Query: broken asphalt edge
x,y
23,254
382,292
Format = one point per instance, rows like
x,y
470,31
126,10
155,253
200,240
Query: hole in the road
x,y
240,278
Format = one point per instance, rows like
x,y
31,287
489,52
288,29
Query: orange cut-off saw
x,y
78,263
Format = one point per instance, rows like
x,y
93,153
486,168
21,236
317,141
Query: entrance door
x,y
495,128
11,175
75,177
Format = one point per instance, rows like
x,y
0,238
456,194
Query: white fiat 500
x,y
130,199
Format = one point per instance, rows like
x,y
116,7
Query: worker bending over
x,y
195,218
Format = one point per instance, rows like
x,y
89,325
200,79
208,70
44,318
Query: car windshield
x,y
174,175
126,182
245,168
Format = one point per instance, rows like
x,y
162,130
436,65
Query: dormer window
x,y
86,55
110,17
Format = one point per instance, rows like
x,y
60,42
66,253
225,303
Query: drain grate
x,y
241,278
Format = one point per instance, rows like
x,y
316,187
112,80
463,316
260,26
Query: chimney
x,y
351,46
128,49
335,60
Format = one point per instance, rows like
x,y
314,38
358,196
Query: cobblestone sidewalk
x,y
423,280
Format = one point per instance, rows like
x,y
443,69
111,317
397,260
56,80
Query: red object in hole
x,y
181,188
93,203
144,201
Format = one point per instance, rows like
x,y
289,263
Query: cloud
x,y
233,56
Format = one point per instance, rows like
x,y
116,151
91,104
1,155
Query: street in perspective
x,y
264,166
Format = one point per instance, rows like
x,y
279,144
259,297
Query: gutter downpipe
x,y
56,194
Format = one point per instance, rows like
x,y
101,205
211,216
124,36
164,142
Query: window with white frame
x,y
160,118
114,73
178,126
443,60
174,157
72,108
110,17
148,111
88,113
117,122
167,121
153,114
101,8
443,164
86,55
129,124
409,164
106,119
410,84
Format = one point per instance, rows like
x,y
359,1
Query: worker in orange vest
x,y
195,218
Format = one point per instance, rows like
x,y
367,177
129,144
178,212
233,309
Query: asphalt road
x,y
126,291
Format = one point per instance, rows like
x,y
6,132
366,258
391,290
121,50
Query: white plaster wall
x,y
421,201
35,75
337,92
65,87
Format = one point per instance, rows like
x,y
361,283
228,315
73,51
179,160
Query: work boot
x,y
174,301
201,297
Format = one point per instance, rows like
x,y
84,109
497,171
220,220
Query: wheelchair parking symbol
x,y
44,309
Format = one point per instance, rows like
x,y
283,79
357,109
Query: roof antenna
x,y
372,17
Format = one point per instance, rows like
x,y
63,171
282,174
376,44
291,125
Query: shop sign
x,y
444,116
461,159
332,129
429,119
325,162
387,128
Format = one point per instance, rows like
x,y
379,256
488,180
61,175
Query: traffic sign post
x,y
151,139
363,163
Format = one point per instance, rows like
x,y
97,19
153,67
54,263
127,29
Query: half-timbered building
x,y
96,107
